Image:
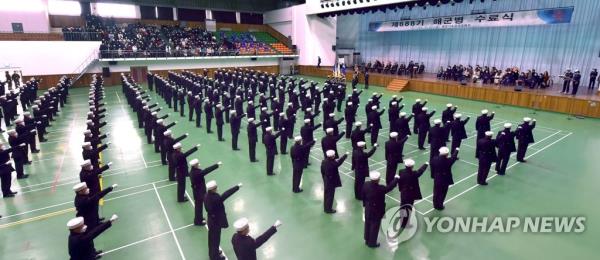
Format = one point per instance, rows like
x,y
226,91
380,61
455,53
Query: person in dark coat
x,y
394,149
307,134
244,245
208,111
197,175
437,137
350,117
524,135
408,185
417,108
216,217
505,140
298,151
86,205
284,126
482,125
270,142
235,122
360,166
219,121
5,171
448,114
358,134
331,179
19,152
401,125
374,204
181,167
441,171
93,154
458,131
329,141
487,155
91,175
423,126
374,119
252,127
81,239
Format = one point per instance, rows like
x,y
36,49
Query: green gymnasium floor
x,y
558,180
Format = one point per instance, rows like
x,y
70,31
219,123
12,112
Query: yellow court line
x,y
36,218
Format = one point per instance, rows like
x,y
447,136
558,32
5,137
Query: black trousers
x,y
220,132
191,114
181,110
234,141
421,140
214,240
455,143
502,163
359,183
171,172
283,145
180,188
198,207
439,195
483,170
372,225
157,142
592,84
521,150
252,150
349,129
5,180
175,106
297,169
163,156
208,119
566,85
329,194
198,119
374,135
270,162
390,170
19,168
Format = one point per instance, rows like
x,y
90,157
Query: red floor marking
x,y
59,170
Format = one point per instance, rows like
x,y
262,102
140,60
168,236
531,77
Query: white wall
x,y
123,66
280,20
314,37
45,57
33,14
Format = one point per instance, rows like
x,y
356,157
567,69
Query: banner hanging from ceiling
x,y
504,19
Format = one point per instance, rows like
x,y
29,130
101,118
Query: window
x,y
59,7
116,10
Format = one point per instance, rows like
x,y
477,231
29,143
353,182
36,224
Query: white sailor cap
x,y
526,119
360,144
26,114
457,115
86,144
87,132
177,146
444,150
86,163
325,99
269,129
329,130
402,113
167,133
349,103
250,102
394,134
159,121
211,185
394,103
424,109
374,107
153,113
409,162
240,224
250,120
19,120
194,162
282,114
331,114
449,105
263,109
357,123
75,223
485,111
394,96
80,186
218,105
489,133
507,125
307,121
330,153
374,175
309,109
418,100
298,138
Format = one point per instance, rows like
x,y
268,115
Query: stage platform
x,y
585,103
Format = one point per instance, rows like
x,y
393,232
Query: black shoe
x,y
101,219
331,211
9,195
236,149
200,223
35,151
185,199
98,256
484,183
99,252
24,176
28,162
43,140
254,160
522,160
440,208
298,190
374,246
284,153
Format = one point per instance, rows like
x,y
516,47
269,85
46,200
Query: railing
x,y
173,54
82,36
82,68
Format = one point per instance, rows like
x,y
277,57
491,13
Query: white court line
x,y
494,175
475,173
169,222
144,240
